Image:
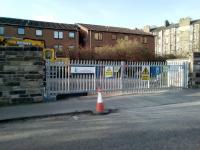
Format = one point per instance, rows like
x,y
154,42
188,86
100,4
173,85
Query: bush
x,y
125,50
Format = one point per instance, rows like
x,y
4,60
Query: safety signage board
x,y
155,70
108,71
145,73
83,70
117,68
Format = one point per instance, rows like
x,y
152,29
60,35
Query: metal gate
x,y
114,76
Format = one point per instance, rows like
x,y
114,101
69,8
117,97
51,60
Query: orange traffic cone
x,y
100,105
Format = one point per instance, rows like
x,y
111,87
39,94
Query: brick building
x,y
63,37
92,36
56,35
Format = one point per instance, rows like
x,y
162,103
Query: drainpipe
x,y
77,38
91,53
90,39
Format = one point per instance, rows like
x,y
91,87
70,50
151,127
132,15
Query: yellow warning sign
x,y
109,71
145,73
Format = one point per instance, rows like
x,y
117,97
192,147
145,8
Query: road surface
x,y
149,123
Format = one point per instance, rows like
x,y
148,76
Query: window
x,y
58,47
71,47
38,32
58,35
1,30
71,35
114,36
21,31
98,36
59,50
145,39
126,37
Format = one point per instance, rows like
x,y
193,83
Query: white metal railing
x,y
113,76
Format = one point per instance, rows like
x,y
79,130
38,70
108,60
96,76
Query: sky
x,y
120,13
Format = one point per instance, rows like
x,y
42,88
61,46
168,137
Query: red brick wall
x,y
107,40
48,36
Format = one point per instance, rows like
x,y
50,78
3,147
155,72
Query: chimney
x,y
146,28
185,21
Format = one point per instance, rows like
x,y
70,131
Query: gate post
x,y
122,75
186,73
47,89
46,79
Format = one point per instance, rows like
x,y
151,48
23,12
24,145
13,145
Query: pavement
x,y
88,103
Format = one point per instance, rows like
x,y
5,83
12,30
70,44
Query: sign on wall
x,y
83,70
108,71
145,73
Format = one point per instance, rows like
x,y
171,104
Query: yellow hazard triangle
x,y
145,71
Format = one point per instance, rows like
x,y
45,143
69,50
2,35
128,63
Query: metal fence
x,y
114,76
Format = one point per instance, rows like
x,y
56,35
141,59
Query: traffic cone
x,y
100,105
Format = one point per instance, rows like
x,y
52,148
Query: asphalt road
x,y
162,122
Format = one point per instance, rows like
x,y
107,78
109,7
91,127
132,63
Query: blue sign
x,y
154,71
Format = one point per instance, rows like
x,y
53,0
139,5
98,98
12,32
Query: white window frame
x,y
71,33
38,32
2,30
21,30
58,34
98,36
71,47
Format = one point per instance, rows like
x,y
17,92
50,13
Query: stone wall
x,y
21,75
179,39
